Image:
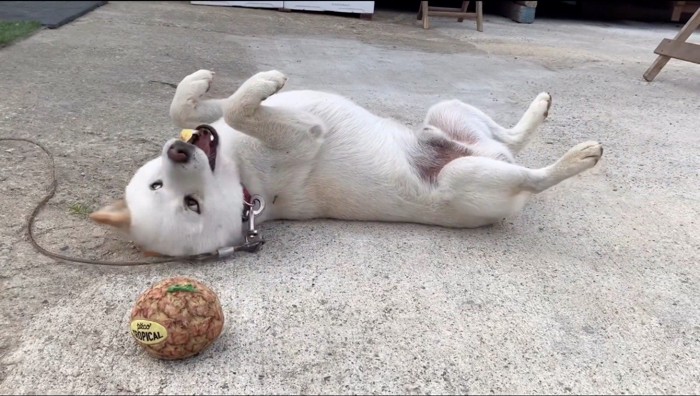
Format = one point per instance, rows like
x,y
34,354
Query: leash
x,y
253,240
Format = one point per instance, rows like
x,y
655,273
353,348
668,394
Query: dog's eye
x,y
192,204
156,185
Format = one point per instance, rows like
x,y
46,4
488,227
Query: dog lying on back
x,y
312,154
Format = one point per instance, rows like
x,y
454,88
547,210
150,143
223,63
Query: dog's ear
x,y
116,215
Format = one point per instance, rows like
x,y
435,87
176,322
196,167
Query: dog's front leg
x,y
277,127
188,108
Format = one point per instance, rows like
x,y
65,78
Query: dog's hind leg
x,y
519,136
277,127
188,109
475,191
460,121
468,124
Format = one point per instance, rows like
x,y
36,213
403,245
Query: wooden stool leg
x,y
685,32
465,5
426,10
678,7
480,16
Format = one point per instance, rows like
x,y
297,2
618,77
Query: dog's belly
x,y
374,180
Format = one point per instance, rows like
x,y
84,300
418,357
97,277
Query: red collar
x,y
246,196
247,203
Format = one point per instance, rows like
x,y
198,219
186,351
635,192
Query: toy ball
x,y
177,318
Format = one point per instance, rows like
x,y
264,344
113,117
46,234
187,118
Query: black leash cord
x,y
47,198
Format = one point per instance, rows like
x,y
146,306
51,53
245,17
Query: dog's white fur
x,y
312,154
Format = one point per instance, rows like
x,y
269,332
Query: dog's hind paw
x,y
582,156
539,108
544,101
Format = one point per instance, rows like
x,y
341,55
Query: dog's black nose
x,y
180,152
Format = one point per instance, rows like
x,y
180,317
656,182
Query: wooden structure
x,y
676,48
426,11
681,7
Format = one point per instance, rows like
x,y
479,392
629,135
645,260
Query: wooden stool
x,y
426,11
676,48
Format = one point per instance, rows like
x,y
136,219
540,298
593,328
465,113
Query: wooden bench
x,y
427,11
676,48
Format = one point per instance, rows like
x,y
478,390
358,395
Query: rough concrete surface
x,y
593,289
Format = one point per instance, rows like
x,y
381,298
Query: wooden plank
x,y
480,16
455,14
688,52
517,12
433,8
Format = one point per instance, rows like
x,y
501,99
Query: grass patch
x,y
13,31
79,209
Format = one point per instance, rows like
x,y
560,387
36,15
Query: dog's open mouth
x,y
207,140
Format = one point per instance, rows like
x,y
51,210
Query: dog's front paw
x,y
268,83
275,77
195,85
202,74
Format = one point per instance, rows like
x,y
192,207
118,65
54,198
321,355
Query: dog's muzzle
x,y
180,152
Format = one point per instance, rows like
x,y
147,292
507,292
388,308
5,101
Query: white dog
x,y
312,154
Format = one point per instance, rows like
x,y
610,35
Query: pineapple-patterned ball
x,y
177,318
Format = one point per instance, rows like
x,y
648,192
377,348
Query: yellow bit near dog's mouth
x,y
186,134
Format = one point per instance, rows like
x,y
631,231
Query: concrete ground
x,y
593,289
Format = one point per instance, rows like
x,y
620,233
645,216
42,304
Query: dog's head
x,y
186,201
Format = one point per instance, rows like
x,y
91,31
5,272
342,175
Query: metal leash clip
x,y
253,239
